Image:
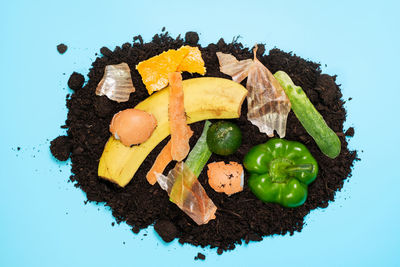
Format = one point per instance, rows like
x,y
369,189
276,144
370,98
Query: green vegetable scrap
x,y
280,172
309,117
200,153
224,138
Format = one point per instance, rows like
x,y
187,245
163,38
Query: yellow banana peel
x,y
204,98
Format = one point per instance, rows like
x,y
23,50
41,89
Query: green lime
x,y
224,138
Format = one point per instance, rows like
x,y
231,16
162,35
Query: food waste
x,y
280,171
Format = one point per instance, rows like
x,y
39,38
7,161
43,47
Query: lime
x,y
224,138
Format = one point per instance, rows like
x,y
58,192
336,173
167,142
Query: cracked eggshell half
x,y
132,126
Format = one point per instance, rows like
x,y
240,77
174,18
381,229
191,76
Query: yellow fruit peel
x,y
204,98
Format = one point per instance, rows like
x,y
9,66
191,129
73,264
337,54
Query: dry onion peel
x,y
229,65
187,193
116,83
268,105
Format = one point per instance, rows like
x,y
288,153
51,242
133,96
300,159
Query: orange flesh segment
x,y
180,131
193,62
159,165
155,70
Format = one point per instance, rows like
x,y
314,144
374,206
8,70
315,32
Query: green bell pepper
x,y
280,172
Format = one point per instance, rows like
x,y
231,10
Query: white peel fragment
x,y
116,83
267,104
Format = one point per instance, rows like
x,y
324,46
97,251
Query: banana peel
x,y
204,98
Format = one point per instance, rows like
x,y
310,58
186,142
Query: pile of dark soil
x,y
241,217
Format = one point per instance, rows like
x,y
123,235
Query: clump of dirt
x,y
76,81
200,256
62,48
166,230
240,217
61,147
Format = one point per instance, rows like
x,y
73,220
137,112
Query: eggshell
x,y
132,126
226,178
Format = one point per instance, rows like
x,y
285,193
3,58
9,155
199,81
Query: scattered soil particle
x,y
76,81
240,217
166,230
61,148
200,256
62,48
349,132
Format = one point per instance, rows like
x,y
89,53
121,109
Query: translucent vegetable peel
x,y
268,105
116,83
187,193
183,187
229,65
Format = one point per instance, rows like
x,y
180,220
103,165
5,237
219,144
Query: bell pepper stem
x,y
300,168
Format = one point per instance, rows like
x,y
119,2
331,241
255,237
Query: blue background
x,y
43,219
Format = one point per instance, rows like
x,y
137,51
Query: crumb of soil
x,y
349,132
200,256
61,148
191,38
62,48
166,230
240,217
76,81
